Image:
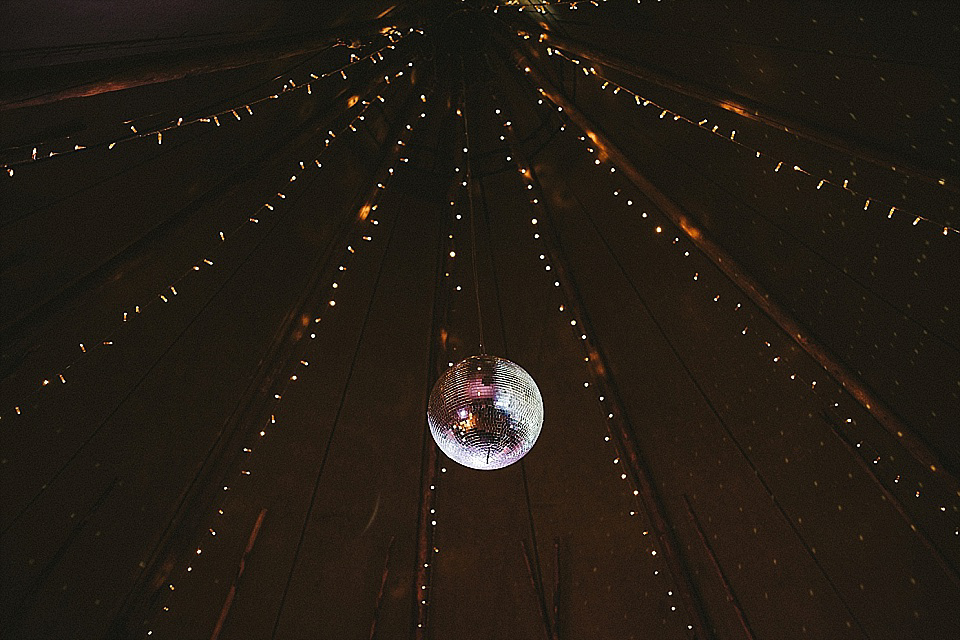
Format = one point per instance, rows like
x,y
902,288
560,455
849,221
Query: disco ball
x,y
485,412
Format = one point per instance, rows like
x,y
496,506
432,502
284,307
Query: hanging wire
x,y
473,226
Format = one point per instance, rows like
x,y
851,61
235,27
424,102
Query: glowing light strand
x,y
811,385
846,379
363,231
676,241
460,191
858,446
170,291
541,7
608,405
939,504
233,113
780,165
945,495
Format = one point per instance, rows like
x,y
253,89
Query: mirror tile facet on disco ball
x,y
485,412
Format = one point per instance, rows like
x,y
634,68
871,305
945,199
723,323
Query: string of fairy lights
x,y
205,262
870,203
933,467
459,191
541,7
941,502
218,118
364,231
676,241
569,308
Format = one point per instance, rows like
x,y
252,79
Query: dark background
x,y
715,491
